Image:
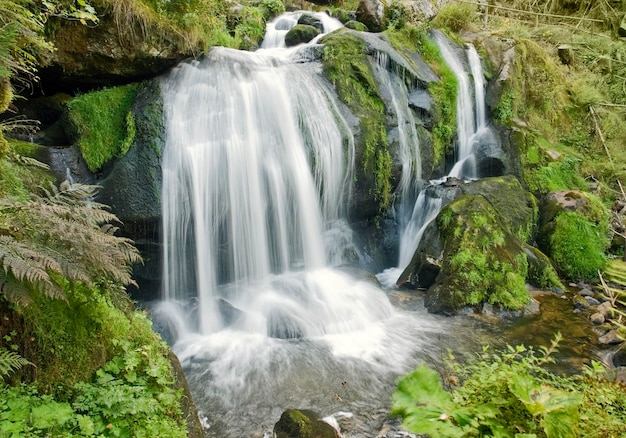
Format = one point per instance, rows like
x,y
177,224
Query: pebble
x,y
611,338
597,318
586,292
605,308
592,301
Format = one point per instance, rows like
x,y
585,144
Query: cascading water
x,y
471,125
257,165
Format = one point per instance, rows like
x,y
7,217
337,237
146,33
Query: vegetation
x,y
104,124
511,394
80,360
348,67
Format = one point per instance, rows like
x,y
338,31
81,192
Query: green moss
x,y
455,16
577,246
101,120
483,261
557,175
348,67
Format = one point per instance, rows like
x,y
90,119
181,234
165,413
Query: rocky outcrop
x,y
372,14
111,53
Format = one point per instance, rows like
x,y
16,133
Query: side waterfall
x,y
256,171
471,125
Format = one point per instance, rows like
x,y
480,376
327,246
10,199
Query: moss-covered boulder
x,y
301,33
372,14
311,20
574,232
296,423
356,25
483,261
113,52
476,248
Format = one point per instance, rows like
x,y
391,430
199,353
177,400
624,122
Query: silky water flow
x,y
256,173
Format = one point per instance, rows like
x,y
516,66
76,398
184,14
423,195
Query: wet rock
x,y
300,33
597,318
592,301
296,423
586,292
356,25
310,20
605,309
611,338
580,302
372,14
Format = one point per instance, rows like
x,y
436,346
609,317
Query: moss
x,y
455,17
541,272
544,177
483,261
101,121
577,246
348,67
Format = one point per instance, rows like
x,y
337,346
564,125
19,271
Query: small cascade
x,y
471,126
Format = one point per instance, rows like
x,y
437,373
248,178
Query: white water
x,y
471,124
256,172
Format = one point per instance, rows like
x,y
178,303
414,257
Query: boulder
x,y
372,14
311,20
111,53
356,25
296,423
426,9
300,33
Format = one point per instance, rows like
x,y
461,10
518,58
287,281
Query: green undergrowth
x,y
510,393
348,67
104,123
414,37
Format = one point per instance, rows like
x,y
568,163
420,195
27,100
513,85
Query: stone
x,y
356,25
372,14
605,309
611,338
580,302
597,318
296,423
311,20
586,292
592,301
300,33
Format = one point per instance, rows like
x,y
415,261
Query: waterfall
x,y
471,125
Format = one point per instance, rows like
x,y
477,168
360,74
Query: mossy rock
x,y
296,423
356,25
311,20
301,33
483,261
541,272
574,233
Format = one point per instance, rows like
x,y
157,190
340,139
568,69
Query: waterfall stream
x,y
471,126
257,168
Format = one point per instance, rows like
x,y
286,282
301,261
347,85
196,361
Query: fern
x,y
10,362
61,234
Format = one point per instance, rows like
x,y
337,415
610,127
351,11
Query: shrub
x,y
455,16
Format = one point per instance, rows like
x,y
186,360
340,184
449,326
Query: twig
x,y
595,122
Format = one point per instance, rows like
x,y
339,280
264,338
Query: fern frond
x,y
10,362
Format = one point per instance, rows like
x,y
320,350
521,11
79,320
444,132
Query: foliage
x,y
74,10
577,246
455,16
563,174
348,67
511,394
10,361
103,124
61,235
130,395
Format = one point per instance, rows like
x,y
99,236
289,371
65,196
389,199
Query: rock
x,y
606,309
592,301
296,423
597,318
580,302
541,273
586,292
610,338
356,25
372,14
426,9
311,20
300,34
188,407
110,53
